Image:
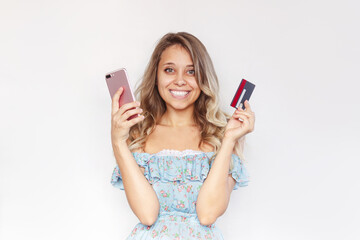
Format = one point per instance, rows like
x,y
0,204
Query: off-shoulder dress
x,y
177,177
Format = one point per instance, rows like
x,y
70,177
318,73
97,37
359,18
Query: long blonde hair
x,y
207,113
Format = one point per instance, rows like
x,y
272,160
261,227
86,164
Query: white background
x,y
55,148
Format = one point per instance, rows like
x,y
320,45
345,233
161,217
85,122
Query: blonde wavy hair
x,y
207,113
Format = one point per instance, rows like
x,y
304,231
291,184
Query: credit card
x,y
242,94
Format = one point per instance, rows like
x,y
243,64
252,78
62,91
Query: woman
x,y
178,162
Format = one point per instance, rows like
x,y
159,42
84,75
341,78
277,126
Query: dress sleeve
x,y
239,172
116,179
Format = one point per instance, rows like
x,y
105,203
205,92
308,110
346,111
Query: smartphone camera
x,y
108,76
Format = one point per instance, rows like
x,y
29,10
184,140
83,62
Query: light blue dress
x,y
177,177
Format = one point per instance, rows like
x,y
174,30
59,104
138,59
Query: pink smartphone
x,y
117,79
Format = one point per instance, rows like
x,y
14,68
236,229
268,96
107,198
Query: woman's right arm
x,y
139,193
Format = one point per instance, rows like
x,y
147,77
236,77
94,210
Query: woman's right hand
x,y
120,126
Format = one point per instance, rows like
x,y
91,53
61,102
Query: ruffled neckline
x,y
170,165
173,152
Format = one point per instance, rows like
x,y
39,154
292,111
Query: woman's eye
x,y
191,72
169,70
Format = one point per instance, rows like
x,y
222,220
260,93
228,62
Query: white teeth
x,y
179,93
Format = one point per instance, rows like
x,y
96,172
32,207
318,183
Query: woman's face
x,y
176,78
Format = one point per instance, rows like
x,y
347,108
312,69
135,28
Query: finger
x,y
240,108
134,121
248,122
115,100
129,113
128,106
247,106
252,123
245,113
242,116
239,117
251,115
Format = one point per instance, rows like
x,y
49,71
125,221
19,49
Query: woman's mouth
x,y
179,94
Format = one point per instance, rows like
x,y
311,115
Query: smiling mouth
x,y
179,93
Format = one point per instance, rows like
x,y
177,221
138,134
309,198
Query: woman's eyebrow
x,y
171,63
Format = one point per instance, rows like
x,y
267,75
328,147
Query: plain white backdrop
x,y
56,158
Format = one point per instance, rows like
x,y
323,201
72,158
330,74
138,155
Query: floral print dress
x,y
177,177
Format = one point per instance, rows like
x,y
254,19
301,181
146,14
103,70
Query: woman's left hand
x,y
236,129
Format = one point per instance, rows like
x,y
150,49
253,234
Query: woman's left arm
x,y
214,194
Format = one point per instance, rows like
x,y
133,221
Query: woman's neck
x,y
178,118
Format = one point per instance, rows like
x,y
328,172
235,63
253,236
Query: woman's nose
x,y
180,80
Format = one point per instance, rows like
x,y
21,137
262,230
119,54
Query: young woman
x,y
179,161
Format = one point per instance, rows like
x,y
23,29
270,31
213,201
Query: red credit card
x,y
242,94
